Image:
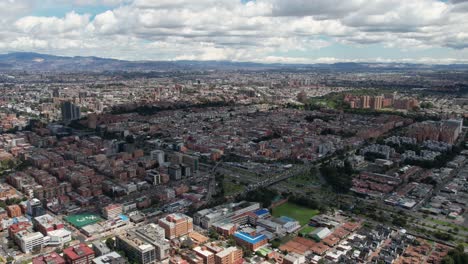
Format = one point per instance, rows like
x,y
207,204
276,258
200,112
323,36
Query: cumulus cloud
x,y
235,30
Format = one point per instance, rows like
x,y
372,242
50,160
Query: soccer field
x,y
300,213
81,220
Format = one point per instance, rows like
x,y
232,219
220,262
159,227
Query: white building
x,y
158,155
112,257
57,237
320,233
29,242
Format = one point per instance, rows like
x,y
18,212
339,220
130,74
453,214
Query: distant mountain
x,y
29,61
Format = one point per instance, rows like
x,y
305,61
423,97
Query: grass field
x,y
448,224
81,220
300,213
231,188
306,230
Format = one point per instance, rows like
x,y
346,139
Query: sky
x,y
268,31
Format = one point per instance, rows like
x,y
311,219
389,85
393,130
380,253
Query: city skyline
x,y
267,31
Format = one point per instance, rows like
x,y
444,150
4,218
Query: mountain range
x,y
36,62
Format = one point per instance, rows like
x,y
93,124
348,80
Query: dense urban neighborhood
x,y
256,165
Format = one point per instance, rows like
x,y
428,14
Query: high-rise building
x,y
176,225
158,155
56,93
377,102
192,161
34,208
365,99
70,111
175,172
153,176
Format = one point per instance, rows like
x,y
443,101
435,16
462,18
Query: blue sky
x,y
306,31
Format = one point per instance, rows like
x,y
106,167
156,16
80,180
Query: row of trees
x,y
339,178
153,109
262,195
11,201
341,133
456,256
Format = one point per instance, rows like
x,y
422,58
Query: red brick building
x,y
52,258
14,210
79,254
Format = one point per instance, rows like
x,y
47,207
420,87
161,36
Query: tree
x,y
302,97
130,139
213,234
262,195
447,260
339,178
456,256
231,242
275,243
110,243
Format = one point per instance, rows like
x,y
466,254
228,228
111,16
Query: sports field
x,y
300,213
81,220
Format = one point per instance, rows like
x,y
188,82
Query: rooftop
x,y
78,251
248,238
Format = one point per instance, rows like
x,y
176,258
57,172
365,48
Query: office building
x,y
186,170
224,213
175,172
29,241
176,225
70,112
145,244
158,155
57,237
35,208
153,177
56,93
191,161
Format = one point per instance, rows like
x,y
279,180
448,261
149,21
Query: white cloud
x,y
52,25
232,30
